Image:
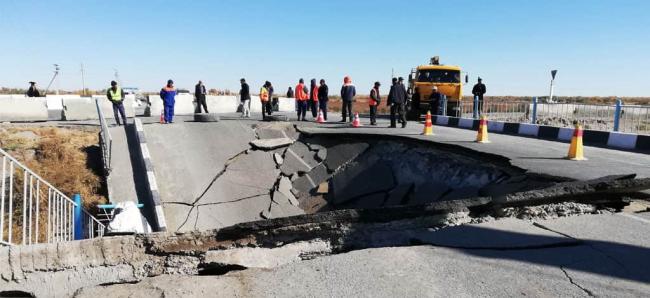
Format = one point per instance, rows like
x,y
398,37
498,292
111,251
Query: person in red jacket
x,y
374,101
302,95
313,98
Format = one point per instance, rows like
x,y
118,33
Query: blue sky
x,y
599,47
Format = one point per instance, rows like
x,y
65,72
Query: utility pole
x,y
553,73
56,73
83,81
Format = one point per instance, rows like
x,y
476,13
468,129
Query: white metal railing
x,y
33,211
617,117
105,139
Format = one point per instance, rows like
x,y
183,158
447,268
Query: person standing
x,y
434,101
33,91
272,103
245,97
396,101
302,95
200,92
290,93
348,92
374,101
168,96
479,90
323,98
313,98
116,96
264,98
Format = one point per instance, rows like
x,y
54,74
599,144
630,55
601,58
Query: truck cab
x,y
421,81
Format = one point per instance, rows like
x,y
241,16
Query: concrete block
x,y
442,120
622,140
222,104
340,154
184,105
256,104
84,108
528,129
360,180
286,104
495,126
465,122
23,109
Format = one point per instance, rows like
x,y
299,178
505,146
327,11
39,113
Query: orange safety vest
x,y
300,93
314,93
373,102
264,94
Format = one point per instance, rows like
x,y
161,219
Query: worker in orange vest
x,y
302,95
374,101
313,98
264,98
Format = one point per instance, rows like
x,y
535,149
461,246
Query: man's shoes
x,y
392,126
404,125
343,121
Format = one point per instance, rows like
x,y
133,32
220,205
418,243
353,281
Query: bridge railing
x,y
616,117
105,139
33,211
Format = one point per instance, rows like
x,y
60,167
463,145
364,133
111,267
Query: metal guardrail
x,y
105,139
617,117
33,211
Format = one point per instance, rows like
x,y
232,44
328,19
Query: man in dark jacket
x,y
396,101
245,97
33,91
116,96
479,90
347,96
200,93
323,98
313,98
374,101
435,99
290,93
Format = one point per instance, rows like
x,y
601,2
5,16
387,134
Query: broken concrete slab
x,y
282,118
298,159
341,154
270,133
399,195
277,157
375,200
258,257
428,192
282,206
311,180
360,180
270,144
314,146
321,155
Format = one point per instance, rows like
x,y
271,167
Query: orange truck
x,y
420,86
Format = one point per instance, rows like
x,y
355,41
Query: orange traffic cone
x,y
576,149
482,136
355,122
320,118
162,118
428,127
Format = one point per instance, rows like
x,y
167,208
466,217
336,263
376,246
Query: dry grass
x,y
66,158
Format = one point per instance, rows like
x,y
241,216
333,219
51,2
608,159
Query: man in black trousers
x,y
200,93
396,101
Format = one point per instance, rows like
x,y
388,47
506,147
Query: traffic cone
x,y
428,127
355,122
320,118
162,118
482,136
576,149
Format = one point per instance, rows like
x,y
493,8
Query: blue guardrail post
x,y
533,119
78,218
617,114
475,107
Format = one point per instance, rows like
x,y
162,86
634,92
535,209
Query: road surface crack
x,y
591,294
219,174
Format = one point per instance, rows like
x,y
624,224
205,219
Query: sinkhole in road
x,y
360,172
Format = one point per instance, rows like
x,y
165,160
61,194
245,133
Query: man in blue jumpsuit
x,y
168,96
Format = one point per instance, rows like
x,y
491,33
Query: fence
x,y
105,139
617,117
33,211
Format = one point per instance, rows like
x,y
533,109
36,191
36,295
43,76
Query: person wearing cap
x,y
434,100
200,92
348,92
245,97
396,101
302,95
313,98
323,98
168,96
116,96
375,100
479,90
33,91
264,98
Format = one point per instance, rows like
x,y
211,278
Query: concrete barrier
x,y
54,107
286,104
184,105
465,122
622,140
528,129
13,96
222,104
23,109
84,108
